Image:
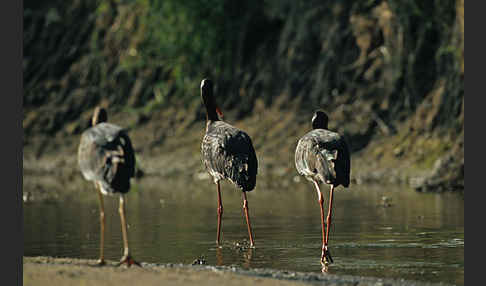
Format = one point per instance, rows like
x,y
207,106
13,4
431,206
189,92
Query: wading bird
x,y
106,157
322,156
227,153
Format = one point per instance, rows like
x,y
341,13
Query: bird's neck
x,y
319,126
211,114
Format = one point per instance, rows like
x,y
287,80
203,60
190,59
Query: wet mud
x,y
68,271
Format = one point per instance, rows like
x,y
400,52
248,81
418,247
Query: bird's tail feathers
x,y
326,165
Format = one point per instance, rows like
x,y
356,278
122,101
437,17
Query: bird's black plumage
x,y
228,153
323,156
105,155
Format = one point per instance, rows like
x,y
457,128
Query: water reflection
x,y
419,236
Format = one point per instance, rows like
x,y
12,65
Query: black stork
x,y
106,157
322,156
227,153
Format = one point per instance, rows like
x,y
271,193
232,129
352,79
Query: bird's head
x,y
206,88
212,110
320,120
99,115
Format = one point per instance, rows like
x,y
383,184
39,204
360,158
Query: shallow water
x,y
420,236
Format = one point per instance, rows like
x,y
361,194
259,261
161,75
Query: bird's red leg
x,y
321,204
245,207
101,261
126,254
329,215
220,214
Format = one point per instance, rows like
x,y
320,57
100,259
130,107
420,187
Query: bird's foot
x,y
326,257
325,261
129,261
100,262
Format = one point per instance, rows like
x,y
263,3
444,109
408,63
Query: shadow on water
x,y
380,231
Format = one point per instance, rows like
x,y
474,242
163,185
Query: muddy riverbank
x,y
50,162
68,271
